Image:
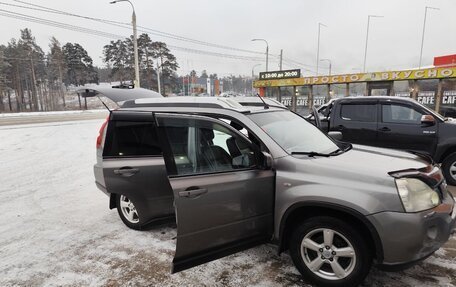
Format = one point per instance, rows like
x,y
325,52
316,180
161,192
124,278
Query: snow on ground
x,y
56,228
31,114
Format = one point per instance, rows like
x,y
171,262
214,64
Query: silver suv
x,y
236,175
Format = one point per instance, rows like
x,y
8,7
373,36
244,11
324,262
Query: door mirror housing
x,y
267,160
335,135
427,120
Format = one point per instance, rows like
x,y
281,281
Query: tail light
x,y
102,133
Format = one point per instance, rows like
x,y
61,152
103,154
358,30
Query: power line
x,y
41,8
84,30
127,25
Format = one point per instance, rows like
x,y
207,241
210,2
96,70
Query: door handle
x,y
192,192
126,171
385,129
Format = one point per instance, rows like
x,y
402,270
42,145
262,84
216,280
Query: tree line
x,y
32,80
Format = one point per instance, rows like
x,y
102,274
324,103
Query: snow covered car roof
x,y
118,94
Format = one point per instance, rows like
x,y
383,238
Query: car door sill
x,y
159,221
216,253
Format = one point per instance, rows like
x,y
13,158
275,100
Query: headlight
x,y
416,195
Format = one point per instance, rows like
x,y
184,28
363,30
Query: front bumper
x,y
410,237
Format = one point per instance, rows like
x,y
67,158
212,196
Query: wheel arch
x,y
446,152
300,211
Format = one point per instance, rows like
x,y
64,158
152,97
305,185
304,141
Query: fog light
x,y
432,232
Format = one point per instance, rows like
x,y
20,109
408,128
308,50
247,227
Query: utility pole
x,y
318,44
158,79
424,28
281,56
135,47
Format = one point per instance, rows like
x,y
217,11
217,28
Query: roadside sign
x,y
285,74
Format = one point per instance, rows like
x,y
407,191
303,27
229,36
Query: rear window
x,y
359,113
131,139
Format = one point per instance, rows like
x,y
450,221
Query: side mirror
x,y
245,160
427,120
335,135
267,160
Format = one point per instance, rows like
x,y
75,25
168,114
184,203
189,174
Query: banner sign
x,y
285,74
449,97
430,73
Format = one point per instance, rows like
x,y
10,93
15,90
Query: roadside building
x,y
434,87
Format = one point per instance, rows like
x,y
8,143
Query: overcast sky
x,y
291,25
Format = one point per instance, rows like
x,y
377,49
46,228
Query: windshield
x,y
293,133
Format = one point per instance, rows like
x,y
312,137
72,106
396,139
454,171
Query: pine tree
x,y
35,55
116,55
56,67
80,70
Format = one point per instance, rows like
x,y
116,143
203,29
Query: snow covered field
x,y
56,228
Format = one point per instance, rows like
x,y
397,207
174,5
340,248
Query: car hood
x,y
358,178
365,162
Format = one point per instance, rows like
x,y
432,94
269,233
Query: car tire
x,y
321,262
127,212
449,168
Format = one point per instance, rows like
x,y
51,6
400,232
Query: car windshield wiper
x,y
311,153
314,153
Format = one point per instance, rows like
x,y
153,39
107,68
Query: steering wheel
x,y
316,117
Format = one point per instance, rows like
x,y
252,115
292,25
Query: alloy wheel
x,y
328,254
453,170
128,209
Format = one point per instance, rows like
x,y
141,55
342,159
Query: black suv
x,y
392,122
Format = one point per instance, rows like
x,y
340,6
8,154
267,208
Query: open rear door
x,y
223,198
117,95
133,165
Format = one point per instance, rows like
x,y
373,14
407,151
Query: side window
x,y
131,139
400,114
200,146
359,113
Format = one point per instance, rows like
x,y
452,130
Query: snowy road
x,y
56,228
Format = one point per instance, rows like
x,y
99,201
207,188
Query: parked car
x,y
237,176
392,122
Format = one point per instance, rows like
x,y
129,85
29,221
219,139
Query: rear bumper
x,y
102,188
99,178
408,238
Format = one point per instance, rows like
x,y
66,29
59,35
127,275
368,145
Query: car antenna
x,y
266,106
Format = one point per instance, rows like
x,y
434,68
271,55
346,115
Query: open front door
x,y
223,197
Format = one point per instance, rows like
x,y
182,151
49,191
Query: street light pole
x,y
330,64
367,39
424,28
267,51
135,41
318,44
